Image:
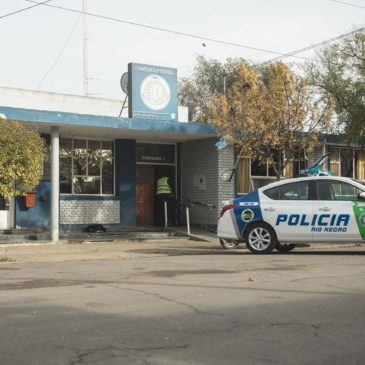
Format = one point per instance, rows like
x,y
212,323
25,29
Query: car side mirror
x,y
361,196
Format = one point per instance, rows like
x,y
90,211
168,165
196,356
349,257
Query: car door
x,y
337,215
288,209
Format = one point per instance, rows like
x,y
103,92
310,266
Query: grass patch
x,y
5,259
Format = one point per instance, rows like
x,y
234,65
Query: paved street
x,y
182,303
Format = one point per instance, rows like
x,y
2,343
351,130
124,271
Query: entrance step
x,y
21,235
25,235
137,234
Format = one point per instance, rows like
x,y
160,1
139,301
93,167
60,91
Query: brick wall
x,y
89,211
200,160
226,189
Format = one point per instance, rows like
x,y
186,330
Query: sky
x,y
42,48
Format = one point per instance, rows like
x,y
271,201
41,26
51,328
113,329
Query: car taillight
x,y
227,207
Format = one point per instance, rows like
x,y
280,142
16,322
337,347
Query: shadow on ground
x,y
205,250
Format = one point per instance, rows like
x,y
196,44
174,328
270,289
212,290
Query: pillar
x,y
55,182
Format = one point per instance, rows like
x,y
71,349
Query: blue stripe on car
x,y
247,209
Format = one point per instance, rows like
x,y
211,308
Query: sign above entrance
x,y
155,153
152,92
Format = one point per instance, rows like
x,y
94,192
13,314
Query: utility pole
x,y
84,53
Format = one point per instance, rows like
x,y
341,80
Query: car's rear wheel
x,y
228,244
285,247
260,238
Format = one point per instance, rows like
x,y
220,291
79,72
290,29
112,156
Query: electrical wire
x,y
164,30
24,9
349,4
305,49
280,54
59,54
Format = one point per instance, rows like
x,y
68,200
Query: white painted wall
x,y
40,100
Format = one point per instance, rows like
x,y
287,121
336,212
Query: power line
x,y
291,54
59,53
163,29
349,4
24,9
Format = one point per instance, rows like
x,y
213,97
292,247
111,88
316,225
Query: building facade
x,y
103,169
103,166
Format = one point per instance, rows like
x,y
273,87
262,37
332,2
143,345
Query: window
x,y
293,191
86,167
263,169
46,165
334,160
243,175
299,164
262,173
347,162
336,190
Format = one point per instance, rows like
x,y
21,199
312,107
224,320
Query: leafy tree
x,y
270,114
210,77
22,151
339,73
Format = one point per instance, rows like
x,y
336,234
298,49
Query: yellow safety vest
x,y
163,186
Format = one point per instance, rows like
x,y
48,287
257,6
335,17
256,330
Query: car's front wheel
x,y
285,247
260,238
228,244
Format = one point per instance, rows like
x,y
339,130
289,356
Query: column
x,y
125,163
55,182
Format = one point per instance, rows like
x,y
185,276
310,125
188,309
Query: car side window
x,y
292,191
336,190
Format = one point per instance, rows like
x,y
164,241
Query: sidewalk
x,y
204,243
118,249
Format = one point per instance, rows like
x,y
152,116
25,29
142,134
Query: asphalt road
x,y
188,308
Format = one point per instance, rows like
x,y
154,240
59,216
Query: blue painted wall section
x,y
39,216
125,180
63,118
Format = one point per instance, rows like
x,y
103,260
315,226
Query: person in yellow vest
x,y
163,193
163,186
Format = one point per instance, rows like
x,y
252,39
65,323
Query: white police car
x,y
308,209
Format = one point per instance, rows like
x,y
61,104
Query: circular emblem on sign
x,y
362,219
155,92
247,215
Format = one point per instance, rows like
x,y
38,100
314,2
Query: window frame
x,y
311,194
333,182
337,162
87,167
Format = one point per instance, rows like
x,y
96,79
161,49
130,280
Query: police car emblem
x,y
247,215
362,219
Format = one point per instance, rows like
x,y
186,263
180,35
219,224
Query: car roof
x,y
306,178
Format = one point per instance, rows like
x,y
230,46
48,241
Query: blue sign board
x,y
152,92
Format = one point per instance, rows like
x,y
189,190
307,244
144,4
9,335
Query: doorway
x,y
148,207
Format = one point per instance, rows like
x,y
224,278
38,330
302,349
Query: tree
x,y
339,73
210,77
270,115
22,151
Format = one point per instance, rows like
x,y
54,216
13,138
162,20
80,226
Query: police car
x,y
302,210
